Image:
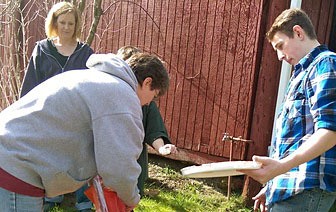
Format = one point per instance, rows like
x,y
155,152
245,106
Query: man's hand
x,y
167,149
270,168
163,149
260,201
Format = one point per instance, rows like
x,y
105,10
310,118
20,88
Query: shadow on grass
x,y
219,184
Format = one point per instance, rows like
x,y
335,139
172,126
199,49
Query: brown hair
x,y
57,10
145,65
287,20
126,52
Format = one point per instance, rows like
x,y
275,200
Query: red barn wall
x,y
224,74
210,51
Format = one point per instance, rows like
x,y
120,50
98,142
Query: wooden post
x,y
232,139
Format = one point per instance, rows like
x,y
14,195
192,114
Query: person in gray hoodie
x,y
75,126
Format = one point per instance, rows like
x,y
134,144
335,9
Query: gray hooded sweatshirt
x,y
74,126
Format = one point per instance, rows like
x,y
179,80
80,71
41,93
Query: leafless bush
x,y
22,24
10,59
18,20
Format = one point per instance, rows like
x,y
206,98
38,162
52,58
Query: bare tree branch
x,y
80,5
97,12
18,17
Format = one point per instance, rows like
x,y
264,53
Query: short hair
x,y
126,52
57,10
285,22
146,65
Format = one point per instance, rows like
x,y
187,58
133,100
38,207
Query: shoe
x,y
48,206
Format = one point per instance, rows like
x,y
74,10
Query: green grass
x,y
191,201
172,192
168,191
181,194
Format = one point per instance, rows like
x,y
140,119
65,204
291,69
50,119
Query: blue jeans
x,y
315,200
82,202
13,202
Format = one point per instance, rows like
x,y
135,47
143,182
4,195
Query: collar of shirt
x,y
308,59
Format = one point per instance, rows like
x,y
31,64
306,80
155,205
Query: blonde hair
x,y
57,10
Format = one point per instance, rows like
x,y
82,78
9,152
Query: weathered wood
x,y
191,156
224,74
268,73
320,12
207,48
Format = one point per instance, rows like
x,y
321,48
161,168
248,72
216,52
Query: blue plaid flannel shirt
x,y
310,104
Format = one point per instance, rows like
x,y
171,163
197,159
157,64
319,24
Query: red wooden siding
x,y
209,47
321,13
210,51
224,74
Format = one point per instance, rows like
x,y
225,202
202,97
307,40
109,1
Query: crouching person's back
x,y
75,126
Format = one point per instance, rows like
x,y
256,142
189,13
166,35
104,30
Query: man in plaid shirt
x,y
301,170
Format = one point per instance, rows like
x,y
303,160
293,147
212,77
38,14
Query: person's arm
x,y
320,94
162,148
153,124
117,145
31,78
321,141
155,131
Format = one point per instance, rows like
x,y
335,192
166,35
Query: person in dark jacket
x,y
155,131
61,51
